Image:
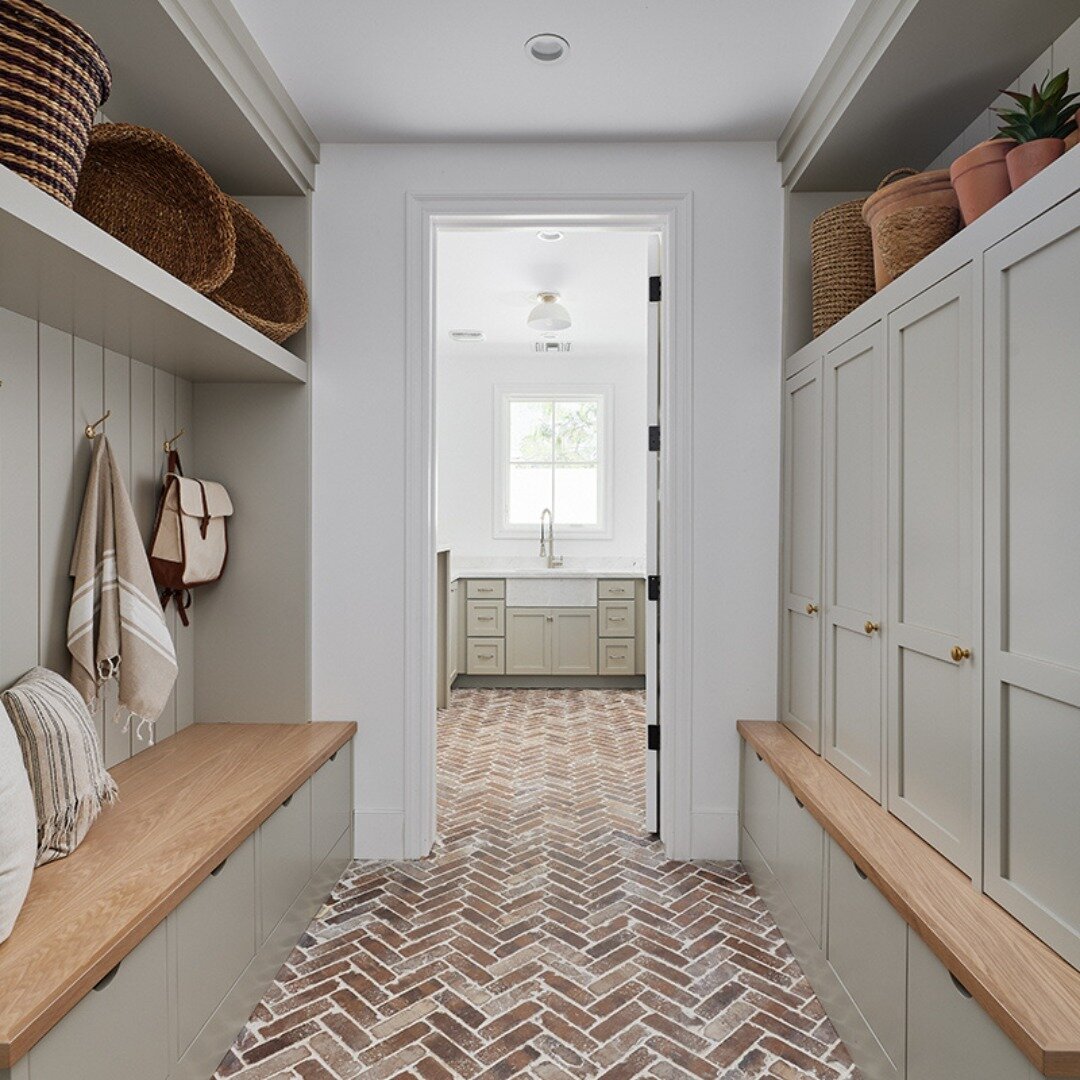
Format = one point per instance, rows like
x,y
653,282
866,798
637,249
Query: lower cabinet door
x,y
760,802
949,1034
617,657
528,641
120,1029
215,940
331,804
573,641
485,657
800,860
284,858
867,948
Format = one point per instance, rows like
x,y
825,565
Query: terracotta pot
x,y
1030,158
1074,139
981,178
926,194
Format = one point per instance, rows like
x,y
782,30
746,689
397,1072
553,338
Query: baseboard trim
x,y
550,682
379,834
714,834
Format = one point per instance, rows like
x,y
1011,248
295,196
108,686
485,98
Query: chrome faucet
x,y
547,547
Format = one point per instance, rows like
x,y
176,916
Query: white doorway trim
x,y
670,214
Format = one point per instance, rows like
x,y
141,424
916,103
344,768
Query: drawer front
x,y
284,857
760,802
616,656
800,860
867,948
119,1029
949,1034
215,940
486,618
485,589
617,618
331,803
486,656
615,590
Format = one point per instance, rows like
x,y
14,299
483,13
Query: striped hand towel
x,y
115,626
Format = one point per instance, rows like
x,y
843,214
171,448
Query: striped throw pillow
x,y
62,757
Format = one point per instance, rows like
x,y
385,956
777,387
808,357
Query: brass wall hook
x,y
170,444
91,430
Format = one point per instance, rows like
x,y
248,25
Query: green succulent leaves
x,y
1045,113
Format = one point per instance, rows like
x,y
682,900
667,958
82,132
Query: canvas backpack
x,y
190,543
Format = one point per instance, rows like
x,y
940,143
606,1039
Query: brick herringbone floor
x,y
546,936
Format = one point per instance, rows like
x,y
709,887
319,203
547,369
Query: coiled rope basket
x,y
53,79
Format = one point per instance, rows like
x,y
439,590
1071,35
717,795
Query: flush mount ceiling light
x,y
548,314
549,235
466,335
547,48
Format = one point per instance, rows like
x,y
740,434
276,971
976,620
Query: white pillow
x,y
18,836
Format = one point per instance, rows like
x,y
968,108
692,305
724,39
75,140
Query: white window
x,y
553,452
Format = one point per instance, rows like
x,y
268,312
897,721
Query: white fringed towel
x,y
116,628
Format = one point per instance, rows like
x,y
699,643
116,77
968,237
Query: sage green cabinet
x,y
933,697
485,618
617,657
1032,646
284,858
331,804
574,641
528,641
551,641
800,860
760,803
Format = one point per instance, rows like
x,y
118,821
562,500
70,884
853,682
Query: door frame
x,y
670,215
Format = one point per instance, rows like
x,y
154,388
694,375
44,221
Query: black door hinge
x,y
654,289
654,586
654,436
652,736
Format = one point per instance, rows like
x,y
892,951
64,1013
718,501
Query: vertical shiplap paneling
x,y
185,635
165,428
144,461
117,745
18,496
88,398
56,495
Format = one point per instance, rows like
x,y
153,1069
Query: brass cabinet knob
x,y
871,627
811,609
959,654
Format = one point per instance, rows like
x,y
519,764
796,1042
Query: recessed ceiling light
x,y
466,335
550,235
547,48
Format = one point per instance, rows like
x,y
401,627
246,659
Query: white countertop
x,y
543,572
508,566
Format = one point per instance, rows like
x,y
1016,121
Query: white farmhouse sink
x,y
548,590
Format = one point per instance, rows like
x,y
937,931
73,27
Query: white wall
x,y
358,388
465,403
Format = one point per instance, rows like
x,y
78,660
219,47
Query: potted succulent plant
x,y
1039,126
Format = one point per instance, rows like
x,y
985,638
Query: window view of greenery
x,y
554,461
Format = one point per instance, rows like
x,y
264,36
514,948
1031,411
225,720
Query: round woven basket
x,y
265,288
53,79
909,216
141,187
841,263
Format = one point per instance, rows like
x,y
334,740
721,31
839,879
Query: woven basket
x,y
141,187
841,263
53,79
909,218
265,288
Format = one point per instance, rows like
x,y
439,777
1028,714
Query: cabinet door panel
x,y
855,482
573,641
933,702
528,641
1032,321
800,860
800,679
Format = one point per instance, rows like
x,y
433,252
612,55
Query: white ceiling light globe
x,y
549,314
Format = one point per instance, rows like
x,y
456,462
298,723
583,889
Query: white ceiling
x,y
397,70
488,280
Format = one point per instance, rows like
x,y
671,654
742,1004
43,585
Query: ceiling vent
x,y
466,335
552,346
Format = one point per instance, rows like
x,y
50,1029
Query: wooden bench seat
x,y
185,805
1028,990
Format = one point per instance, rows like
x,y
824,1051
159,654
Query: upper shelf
x,y
902,78
59,268
190,69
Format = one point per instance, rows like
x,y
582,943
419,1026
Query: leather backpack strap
x,y
172,463
205,523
